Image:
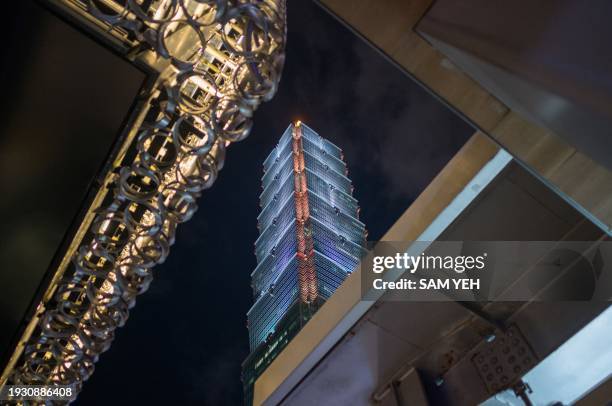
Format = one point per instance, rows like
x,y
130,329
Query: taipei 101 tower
x,y
310,240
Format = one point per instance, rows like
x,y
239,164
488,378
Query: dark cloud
x,y
390,129
210,378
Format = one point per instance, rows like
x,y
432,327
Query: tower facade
x,y
310,240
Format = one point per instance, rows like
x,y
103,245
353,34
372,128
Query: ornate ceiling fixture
x,y
217,61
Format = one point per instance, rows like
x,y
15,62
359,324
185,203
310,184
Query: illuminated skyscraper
x,y
310,240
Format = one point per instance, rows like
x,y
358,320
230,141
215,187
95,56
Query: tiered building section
x,y
310,241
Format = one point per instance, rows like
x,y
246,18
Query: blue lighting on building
x,y
299,257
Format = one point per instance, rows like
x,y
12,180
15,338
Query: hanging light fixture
x,y
217,61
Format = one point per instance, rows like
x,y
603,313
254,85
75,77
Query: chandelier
x,y
216,61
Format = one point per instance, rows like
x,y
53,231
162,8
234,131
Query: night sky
x,y
186,338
